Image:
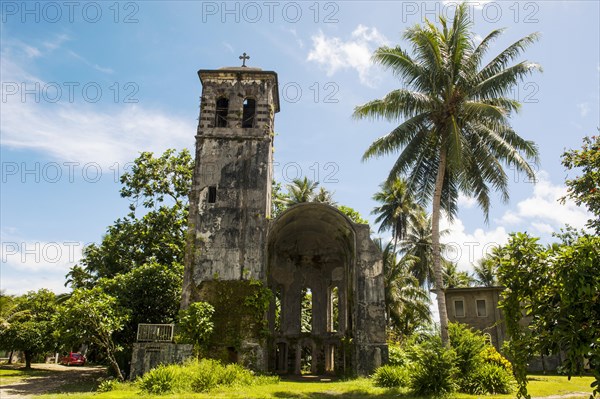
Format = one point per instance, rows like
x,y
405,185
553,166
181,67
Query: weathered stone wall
x,y
314,246
147,355
369,305
492,323
240,327
226,238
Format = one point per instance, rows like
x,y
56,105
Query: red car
x,y
73,359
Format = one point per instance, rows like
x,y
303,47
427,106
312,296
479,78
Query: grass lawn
x,y
12,376
355,389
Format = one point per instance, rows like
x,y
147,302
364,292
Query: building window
x,y
212,194
481,309
248,113
221,112
459,308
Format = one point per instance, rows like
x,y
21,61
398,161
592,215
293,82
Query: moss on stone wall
x,y
239,318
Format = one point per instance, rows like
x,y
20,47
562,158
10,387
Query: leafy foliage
x,y
28,324
160,185
557,291
391,376
158,380
454,278
585,189
489,378
150,292
406,302
94,316
397,209
195,323
138,263
434,368
468,345
305,190
199,376
353,214
486,272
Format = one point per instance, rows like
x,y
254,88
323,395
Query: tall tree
x,y
301,190
29,326
397,209
585,188
486,272
92,315
160,187
454,278
455,135
406,302
418,244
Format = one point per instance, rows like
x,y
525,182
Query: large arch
x,y
311,247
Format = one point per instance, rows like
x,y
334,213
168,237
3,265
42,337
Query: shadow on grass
x,y
353,394
37,382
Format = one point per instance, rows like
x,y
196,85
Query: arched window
x,y
221,112
248,113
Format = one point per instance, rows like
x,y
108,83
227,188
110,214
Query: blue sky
x,y
86,86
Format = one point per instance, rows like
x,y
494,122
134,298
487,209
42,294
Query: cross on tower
x,y
244,57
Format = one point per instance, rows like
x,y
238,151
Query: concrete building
x,y
478,307
311,253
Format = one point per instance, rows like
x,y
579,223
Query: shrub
x,y
158,380
490,379
397,356
391,376
489,354
434,368
468,345
107,385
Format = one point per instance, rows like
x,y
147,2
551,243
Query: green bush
x,y
158,380
492,356
107,385
468,345
391,376
397,355
489,379
434,368
199,376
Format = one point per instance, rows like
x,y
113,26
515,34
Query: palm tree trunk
x,y
435,243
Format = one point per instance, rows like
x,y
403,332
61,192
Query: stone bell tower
x,y
230,200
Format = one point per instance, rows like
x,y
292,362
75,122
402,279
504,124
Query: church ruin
x,y
314,261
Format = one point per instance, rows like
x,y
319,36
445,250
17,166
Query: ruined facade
x,y
299,293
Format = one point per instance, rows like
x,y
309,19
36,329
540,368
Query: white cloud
x,y
19,285
40,256
584,109
543,211
465,248
334,54
90,64
80,131
466,202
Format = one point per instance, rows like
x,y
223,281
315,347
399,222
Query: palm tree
x,y
406,302
301,190
418,244
455,135
454,278
324,196
397,211
485,272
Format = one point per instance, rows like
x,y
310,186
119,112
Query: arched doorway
x,y
311,256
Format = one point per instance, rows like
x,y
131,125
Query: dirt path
x,y
52,377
